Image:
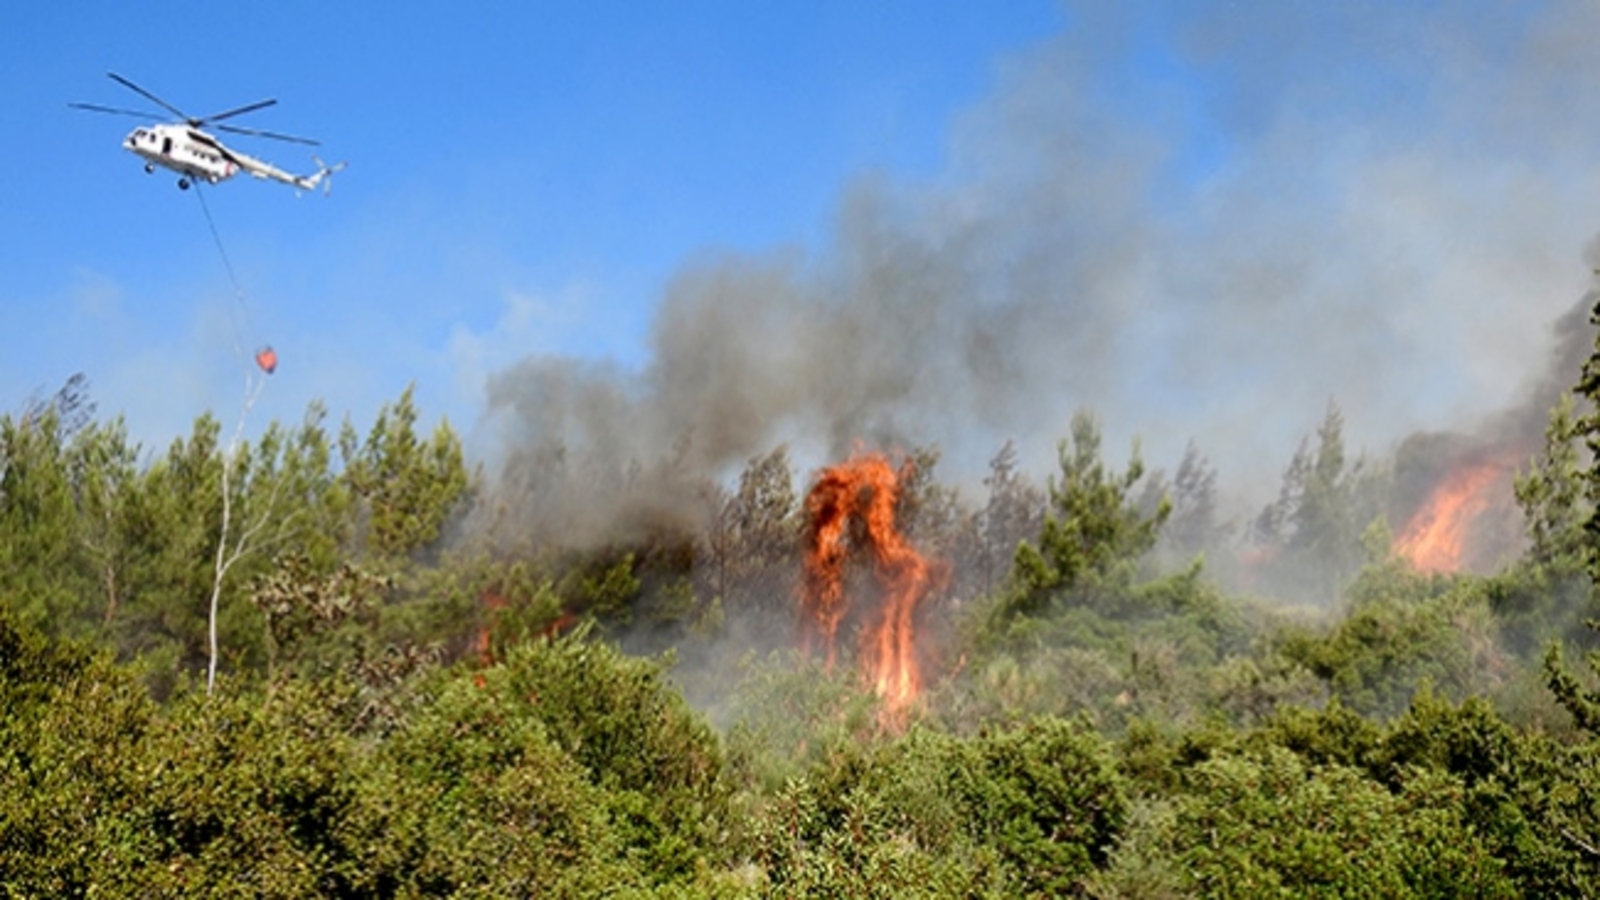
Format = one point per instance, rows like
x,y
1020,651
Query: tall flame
x,y
866,489
1435,538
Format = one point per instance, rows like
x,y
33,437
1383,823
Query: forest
x,y
341,661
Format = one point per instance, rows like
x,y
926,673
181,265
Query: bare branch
x,y
1583,844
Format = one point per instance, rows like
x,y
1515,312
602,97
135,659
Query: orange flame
x,y
495,604
482,645
867,489
1435,538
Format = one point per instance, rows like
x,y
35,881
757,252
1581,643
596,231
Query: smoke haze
x,y
1195,224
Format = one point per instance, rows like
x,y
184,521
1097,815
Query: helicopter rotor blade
x,y
234,112
149,96
110,109
194,122
234,129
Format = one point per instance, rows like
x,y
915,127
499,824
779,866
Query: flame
x,y
1435,538
866,489
494,605
482,644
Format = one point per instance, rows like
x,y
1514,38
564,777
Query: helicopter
x,y
184,147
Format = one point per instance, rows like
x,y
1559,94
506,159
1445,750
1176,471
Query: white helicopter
x,y
197,156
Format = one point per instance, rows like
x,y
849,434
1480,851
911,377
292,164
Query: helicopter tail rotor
x,y
323,175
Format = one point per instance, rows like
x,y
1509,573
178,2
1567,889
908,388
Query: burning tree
x,y
866,492
1443,534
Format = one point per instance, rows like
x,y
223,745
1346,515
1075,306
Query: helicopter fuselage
x,y
198,156
187,151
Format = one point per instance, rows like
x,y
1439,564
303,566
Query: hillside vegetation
x,y
342,662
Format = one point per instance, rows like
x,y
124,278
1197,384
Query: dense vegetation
x,y
349,665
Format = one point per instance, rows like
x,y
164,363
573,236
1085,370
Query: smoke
x,y
1198,223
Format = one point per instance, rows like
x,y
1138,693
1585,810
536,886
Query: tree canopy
x,y
1129,694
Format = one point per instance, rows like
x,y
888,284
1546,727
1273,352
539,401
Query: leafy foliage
x,y
1094,533
1023,811
1270,825
409,705
407,488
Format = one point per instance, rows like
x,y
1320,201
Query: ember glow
x,y
1435,539
866,490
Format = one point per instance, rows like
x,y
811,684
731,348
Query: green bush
x,y
1030,810
635,738
107,794
1271,825
472,797
1534,802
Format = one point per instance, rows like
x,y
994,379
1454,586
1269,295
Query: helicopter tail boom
x,y
262,169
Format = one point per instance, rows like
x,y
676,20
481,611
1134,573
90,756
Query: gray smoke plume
x,y
1198,223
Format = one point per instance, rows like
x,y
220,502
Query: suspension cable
x,y
233,278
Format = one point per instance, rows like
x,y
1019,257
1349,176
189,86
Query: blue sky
x,y
623,225
524,177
